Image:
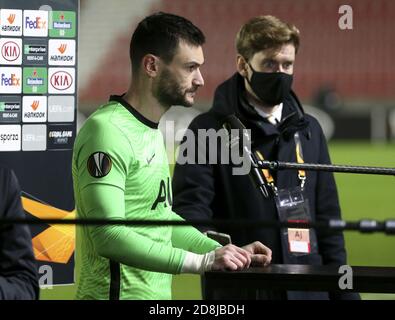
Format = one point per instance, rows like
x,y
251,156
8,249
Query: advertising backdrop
x,y
38,98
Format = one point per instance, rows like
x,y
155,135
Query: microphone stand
x,y
279,165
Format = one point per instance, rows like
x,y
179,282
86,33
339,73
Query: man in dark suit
x,y
18,269
260,95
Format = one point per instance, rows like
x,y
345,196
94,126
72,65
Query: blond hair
x,y
265,32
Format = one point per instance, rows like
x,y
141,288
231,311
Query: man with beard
x,y
260,95
120,171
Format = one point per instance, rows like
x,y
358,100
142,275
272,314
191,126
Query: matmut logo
x,y
11,22
10,51
35,23
61,80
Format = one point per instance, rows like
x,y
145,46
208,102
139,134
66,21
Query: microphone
x,y
230,124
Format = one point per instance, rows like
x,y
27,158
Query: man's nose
x,y
198,79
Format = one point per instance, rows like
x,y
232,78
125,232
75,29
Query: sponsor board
x,y
10,137
61,52
10,109
35,52
61,108
10,22
35,23
62,24
34,109
10,80
11,51
37,127
34,80
60,137
34,137
61,80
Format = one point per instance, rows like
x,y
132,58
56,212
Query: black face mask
x,y
270,87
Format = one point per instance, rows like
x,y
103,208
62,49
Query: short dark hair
x,y
159,34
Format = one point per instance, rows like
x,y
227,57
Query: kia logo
x,y
61,80
10,51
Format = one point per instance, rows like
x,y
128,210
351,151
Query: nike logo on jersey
x,y
150,159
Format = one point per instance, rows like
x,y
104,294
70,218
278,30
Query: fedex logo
x,y
10,80
35,23
13,80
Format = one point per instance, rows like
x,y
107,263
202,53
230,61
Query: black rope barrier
x,y
365,226
333,225
279,165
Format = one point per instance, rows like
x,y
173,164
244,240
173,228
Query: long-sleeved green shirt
x,y
121,171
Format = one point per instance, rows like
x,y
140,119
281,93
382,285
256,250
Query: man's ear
x,y
242,66
150,65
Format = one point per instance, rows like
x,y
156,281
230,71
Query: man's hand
x,y
231,257
259,253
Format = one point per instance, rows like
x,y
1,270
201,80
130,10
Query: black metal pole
x,y
279,165
366,226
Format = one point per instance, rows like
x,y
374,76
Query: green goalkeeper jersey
x,y
120,171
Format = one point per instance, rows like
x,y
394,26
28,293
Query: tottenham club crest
x,y
99,164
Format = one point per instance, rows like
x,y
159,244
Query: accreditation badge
x,y
299,240
292,206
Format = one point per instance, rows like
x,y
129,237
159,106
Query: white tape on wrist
x,y
198,263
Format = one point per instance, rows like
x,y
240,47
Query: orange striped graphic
x,y
56,243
